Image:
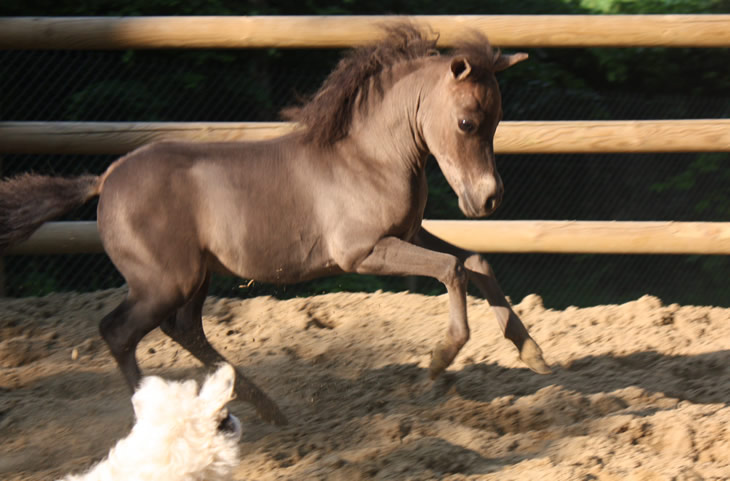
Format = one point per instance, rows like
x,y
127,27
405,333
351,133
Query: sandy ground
x,y
640,390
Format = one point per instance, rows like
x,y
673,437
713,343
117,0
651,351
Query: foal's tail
x,y
28,200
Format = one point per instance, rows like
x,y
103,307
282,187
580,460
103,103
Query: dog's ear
x,y
217,390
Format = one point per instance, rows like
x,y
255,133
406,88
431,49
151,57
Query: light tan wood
x,y
615,136
344,31
80,237
123,137
697,135
585,237
547,237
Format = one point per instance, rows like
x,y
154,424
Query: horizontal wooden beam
x,y
525,137
80,237
585,237
545,237
619,136
108,33
123,137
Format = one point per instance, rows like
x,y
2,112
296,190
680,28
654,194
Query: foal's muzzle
x,y
475,209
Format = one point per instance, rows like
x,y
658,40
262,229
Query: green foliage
x,y
709,174
653,6
36,284
132,97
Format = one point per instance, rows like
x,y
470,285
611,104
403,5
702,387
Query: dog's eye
x,y
223,414
467,126
227,424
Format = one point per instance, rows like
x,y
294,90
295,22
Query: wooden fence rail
x,y
106,33
546,237
525,137
346,31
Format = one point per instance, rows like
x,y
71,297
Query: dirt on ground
x,y
640,391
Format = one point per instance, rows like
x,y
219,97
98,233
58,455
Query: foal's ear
x,y
460,68
506,61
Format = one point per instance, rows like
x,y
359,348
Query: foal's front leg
x,y
481,274
393,256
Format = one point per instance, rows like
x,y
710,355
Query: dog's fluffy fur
x,y
180,434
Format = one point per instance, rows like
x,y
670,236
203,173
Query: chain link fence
x,y
254,85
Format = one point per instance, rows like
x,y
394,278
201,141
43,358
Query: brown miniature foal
x,y
345,193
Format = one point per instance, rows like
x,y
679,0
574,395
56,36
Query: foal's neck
x,y
384,128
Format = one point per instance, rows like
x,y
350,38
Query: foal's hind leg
x,y
125,326
186,328
481,274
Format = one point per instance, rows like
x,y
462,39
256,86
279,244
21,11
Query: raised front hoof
x,y
531,355
271,413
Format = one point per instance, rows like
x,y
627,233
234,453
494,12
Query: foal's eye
x,y
466,125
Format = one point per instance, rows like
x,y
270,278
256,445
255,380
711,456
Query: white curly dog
x,y
180,434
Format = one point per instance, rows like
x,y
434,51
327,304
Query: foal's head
x,y
458,120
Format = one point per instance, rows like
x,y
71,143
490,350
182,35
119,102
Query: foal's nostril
x,y
492,203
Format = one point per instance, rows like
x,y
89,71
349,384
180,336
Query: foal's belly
x,y
273,258
274,271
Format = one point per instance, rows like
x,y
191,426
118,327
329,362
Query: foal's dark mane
x,y
328,113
